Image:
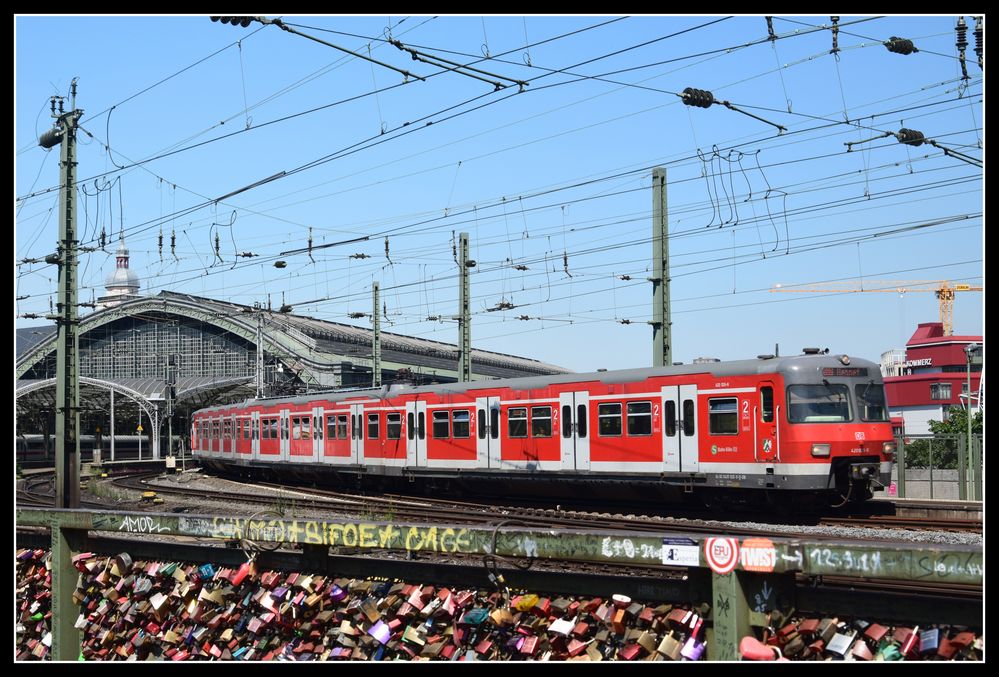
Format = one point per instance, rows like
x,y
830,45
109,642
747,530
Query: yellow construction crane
x,y
944,289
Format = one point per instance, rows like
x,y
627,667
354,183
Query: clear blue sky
x,y
555,178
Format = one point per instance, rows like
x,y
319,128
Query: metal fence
x,y
938,466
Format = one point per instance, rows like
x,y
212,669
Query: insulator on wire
x,y
835,34
173,244
243,21
900,46
910,137
387,250
104,237
979,49
962,44
161,244
697,97
770,28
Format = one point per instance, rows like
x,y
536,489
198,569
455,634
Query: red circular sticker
x,y
722,554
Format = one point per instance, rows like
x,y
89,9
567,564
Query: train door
x,y
765,424
680,429
317,434
215,446
416,433
255,436
574,426
357,433
488,438
233,431
285,437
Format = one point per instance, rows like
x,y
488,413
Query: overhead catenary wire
x,y
728,178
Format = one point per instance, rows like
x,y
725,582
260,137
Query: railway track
x,y
36,491
903,522
421,509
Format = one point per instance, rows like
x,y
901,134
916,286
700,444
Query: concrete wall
x,y
917,483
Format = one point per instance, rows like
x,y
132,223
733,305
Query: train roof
x,y
792,367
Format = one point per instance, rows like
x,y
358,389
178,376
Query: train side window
x,y
581,420
723,416
516,422
373,425
566,420
442,421
245,425
482,424
669,418
296,428
494,423
639,418
688,418
331,427
353,426
341,426
410,426
317,426
609,419
421,426
767,404
306,427
460,427
541,421
393,425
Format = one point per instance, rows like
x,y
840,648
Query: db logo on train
x,y
722,554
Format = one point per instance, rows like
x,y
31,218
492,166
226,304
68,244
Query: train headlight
x,y
821,449
889,449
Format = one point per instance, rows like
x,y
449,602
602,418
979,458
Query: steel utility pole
x,y
376,339
67,376
465,316
662,341
65,637
259,375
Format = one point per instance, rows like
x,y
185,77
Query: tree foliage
x,y
945,443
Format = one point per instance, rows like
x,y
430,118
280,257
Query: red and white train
x,y
813,425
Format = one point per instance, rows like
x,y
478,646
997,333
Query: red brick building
x,y
931,379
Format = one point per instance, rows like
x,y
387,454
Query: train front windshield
x,y
871,402
824,403
831,403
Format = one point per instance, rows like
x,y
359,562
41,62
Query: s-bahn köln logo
x,y
722,554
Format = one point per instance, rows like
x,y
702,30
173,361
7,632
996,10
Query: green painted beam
x,y
899,561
